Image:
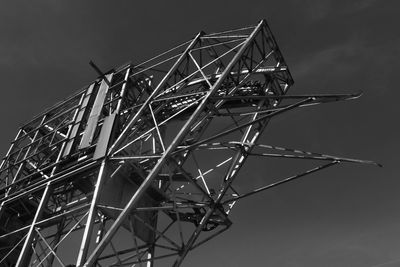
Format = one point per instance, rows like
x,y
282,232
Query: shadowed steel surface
x,y
143,164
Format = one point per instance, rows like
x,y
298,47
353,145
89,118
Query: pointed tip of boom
x,y
369,162
356,95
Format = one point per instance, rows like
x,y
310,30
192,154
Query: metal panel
x,y
104,138
95,114
78,119
116,193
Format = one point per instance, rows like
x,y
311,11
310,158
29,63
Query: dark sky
x,y
345,216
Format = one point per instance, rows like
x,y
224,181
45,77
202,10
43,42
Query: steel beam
x,y
91,216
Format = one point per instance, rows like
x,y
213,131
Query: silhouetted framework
x,y
139,167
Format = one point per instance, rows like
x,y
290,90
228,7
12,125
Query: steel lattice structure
x,y
139,167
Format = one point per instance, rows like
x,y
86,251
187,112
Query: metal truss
x,y
140,167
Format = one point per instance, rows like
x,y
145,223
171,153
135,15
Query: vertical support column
x,y
123,90
150,257
24,258
87,234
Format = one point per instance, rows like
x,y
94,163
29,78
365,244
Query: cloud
x,y
317,10
363,4
328,59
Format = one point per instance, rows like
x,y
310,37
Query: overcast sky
x,y
344,216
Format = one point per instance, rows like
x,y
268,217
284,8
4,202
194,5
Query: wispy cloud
x,y
362,4
328,59
316,9
356,57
